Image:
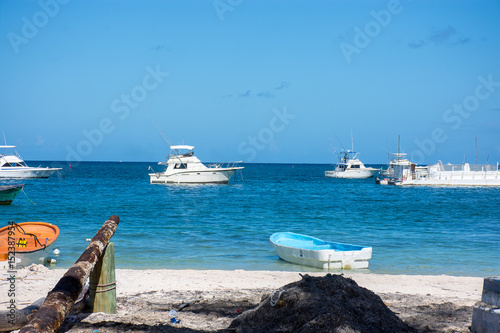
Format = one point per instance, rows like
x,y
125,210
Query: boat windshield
x,y
7,164
180,166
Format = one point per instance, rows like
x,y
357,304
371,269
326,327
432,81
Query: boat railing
x,y
226,165
484,167
467,167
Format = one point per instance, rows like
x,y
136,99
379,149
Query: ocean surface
x,y
413,230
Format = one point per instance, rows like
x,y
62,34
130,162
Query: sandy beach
x,y
215,297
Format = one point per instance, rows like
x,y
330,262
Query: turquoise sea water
x,y
413,230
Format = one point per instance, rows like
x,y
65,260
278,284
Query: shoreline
x,y
130,281
144,297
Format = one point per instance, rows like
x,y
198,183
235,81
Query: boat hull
x,y
314,252
352,174
451,182
27,172
205,176
9,192
33,243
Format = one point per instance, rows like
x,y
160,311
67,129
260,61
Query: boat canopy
x,y
182,147
12,159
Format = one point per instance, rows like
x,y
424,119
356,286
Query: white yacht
x,y
406,173
349,166
183,167
13,166
449,174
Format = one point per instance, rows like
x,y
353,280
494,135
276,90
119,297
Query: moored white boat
x,y
440,174
403,172
398,161
184,167
349,166
314,252
13,166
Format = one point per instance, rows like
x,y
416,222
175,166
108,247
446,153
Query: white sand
x,y
145,297
34,284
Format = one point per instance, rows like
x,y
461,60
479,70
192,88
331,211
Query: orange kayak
x,y
27,242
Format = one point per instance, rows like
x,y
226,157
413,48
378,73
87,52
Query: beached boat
x,y
22,244
314,252
9,192
13,166
349,166
183,167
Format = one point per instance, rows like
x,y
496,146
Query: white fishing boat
x,y
397,161
183,167
349,166
314,252
13,166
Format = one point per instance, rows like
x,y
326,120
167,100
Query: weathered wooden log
x,y
10,321
61,299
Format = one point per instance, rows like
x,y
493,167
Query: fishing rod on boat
x,y
164,137
166,140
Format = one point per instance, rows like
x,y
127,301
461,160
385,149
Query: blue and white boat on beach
x,y
314,252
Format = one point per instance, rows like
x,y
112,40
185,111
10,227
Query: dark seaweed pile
x,y
321,304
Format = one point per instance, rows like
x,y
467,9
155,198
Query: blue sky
x,y
259,81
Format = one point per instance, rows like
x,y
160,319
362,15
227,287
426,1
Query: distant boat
x,y
349,166
386,176
13,166
314,252
440,174
403,172
26,243
183,167
9,192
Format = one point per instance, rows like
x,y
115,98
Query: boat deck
x,y
315,245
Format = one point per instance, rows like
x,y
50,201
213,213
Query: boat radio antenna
x,y
476,150
352,142
341,145
399,143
